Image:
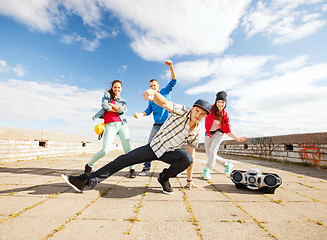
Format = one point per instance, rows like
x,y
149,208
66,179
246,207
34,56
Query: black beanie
x,y
221,96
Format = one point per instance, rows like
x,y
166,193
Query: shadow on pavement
x,y
108,190
50,171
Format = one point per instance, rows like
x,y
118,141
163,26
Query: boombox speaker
x,y
255,180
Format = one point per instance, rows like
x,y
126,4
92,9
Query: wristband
x,y
188,180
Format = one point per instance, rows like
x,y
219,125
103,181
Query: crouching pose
x,y
181,127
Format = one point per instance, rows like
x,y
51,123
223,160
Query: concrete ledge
x,y
309,149
22,144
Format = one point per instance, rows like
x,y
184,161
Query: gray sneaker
x,y
144,172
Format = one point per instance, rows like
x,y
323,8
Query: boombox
x,y
255,180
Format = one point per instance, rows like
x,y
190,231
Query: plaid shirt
x,y
175,132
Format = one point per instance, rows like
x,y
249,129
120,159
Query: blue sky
x,y
58,57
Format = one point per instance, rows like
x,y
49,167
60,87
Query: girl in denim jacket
x,y
113,112
216,125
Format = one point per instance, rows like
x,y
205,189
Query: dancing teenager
x,y
113,112
160,114
181,127
217,124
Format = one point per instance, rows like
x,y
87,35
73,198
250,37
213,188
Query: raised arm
x,y
172,71
160,100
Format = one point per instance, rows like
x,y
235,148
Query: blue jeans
x,y
110,132
153,132
179,160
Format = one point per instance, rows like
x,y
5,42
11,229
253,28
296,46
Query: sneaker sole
x,y
165,192
169,193
63,176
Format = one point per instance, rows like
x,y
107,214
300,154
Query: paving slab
x,y
234,230
35,203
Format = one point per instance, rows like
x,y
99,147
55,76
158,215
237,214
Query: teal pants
x,y
111,131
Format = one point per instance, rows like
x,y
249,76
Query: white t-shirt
x,y
215,125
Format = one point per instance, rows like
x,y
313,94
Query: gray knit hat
x,y
221,96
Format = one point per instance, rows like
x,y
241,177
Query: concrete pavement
x,y
35,203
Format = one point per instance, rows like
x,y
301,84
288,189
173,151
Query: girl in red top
x,y
216,125
113,109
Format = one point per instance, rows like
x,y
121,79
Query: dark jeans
x,y
179,160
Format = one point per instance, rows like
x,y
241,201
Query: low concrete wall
x,y
308,148
20,144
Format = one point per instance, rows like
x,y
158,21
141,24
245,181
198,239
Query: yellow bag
x,y
99,129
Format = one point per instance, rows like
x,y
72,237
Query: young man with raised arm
x,y
181,127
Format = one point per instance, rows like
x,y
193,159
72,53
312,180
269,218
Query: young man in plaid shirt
x,y
182,126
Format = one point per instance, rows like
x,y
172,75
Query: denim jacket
x,y
105,107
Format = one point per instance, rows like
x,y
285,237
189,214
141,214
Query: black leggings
x,y
179,160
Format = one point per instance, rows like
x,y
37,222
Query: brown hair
x,y
217,113
152,80
112,94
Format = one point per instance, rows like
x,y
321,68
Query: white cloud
x,y
3,66
200,69
220,73
50,16
18,70
287,32
66,109
87,45
89,11
43,101
286,104
283,21
47,15
36,15
140,128
122,69
295,63
164,28
288,100
31,101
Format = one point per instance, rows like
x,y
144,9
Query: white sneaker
x,y
206,173
228,168
144,172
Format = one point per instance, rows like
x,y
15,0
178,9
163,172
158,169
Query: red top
x,y
111,116
224,123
